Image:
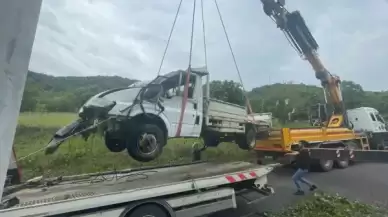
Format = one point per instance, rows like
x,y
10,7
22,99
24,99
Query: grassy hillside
x,y
44,93
70,83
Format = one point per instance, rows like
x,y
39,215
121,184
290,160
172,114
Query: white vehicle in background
x,y
364,121
142,117
368,120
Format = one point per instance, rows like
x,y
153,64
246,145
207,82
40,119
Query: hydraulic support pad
x,y
380,156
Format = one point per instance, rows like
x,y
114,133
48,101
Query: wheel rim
x,y
252,140
327,163
147,143
252,144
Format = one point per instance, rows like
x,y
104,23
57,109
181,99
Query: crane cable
x,y
186,87
169,37
248,104
203,32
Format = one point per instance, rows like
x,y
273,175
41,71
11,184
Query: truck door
x,y
173,105
197,103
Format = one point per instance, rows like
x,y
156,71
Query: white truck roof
x,y
368,109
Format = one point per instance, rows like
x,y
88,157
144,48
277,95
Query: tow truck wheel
x,y
146,143
114,145
148,210
325,165
342,164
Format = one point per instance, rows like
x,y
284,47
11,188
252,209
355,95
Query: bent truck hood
x,y
96,110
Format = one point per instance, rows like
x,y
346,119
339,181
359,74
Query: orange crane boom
x,y
300,37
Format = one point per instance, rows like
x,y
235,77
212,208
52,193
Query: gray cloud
x,y
127,38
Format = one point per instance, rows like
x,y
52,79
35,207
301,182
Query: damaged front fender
x,y
94,110
74,128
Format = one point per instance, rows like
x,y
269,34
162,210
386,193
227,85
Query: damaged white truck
x,y
142,117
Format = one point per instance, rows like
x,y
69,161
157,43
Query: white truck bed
x,y
90,191
220,110
229,117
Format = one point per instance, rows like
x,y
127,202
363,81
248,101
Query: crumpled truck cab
x,y
141,118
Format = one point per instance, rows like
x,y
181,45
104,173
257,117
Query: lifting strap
x,y
247,101
187,81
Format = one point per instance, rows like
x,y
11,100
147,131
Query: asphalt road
x,y
364,182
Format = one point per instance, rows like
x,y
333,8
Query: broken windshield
x,y
123,95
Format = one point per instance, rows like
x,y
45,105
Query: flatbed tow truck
x,y
193,189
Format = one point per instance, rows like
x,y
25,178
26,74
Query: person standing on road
x,y
302,159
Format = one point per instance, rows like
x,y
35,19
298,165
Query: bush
x,y
326,205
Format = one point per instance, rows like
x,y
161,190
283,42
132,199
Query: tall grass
x,y
45,120
79,156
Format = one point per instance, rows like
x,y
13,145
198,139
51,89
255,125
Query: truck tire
x,y
146,142
211,140
114,145
342,164
247,141
148,210
325,165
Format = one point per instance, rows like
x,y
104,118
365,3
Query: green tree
x,y
30,98
352,94
228,91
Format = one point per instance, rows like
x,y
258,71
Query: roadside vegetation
x,y
326,205
77,156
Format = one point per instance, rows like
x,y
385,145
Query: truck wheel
x,y
146,143
148,210
248,140
325,165
342,164
114,145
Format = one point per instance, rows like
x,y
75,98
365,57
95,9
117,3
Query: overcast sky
x,y
127,38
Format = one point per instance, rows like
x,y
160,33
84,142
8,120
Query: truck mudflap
x,y
74,194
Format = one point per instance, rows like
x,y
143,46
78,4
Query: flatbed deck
x,y
131,181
